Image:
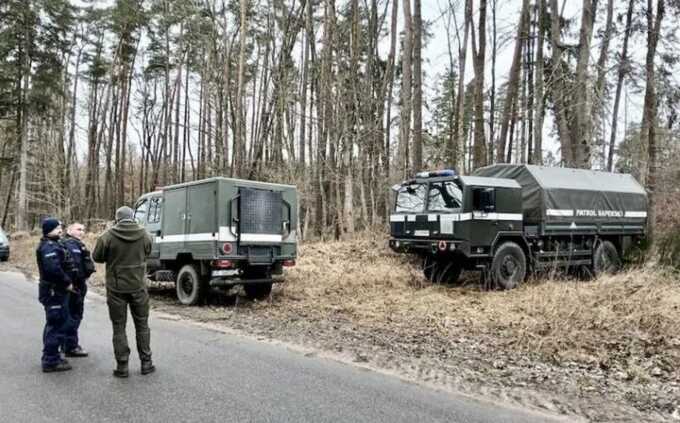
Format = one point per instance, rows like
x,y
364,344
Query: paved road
x,y
203,376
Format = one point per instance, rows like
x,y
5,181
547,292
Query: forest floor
x,y
603,350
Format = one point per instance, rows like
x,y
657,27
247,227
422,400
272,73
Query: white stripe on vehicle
x,y
411,217
224,235
422,233
497,216
560,212
397,218
636,214
432,217
260,238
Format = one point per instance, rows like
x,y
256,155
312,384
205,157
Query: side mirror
x,y
484,199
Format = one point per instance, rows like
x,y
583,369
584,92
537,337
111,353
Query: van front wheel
x,y
191,288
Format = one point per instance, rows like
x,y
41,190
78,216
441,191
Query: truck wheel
x,y
448,272
257,291
429,267
191,288
606,259
509,266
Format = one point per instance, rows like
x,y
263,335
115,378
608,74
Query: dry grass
x,y
615,320
603,320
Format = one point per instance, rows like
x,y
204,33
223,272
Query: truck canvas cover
x,y
576,195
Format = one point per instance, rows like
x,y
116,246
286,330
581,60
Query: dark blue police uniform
x,y
54,267
84,267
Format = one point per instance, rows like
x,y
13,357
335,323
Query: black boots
x,y
121,369
76,352
61,367
148,367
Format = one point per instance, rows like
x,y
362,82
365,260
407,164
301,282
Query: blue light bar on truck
x,y
436,173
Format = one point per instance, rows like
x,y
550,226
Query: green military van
x,y
218,233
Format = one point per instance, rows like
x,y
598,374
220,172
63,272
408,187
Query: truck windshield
x,y
411,198
444,196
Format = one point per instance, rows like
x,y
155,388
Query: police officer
x,y
56,278
84,268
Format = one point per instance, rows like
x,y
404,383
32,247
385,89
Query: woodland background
x,y
103,100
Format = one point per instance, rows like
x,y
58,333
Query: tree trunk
x,y
513,82
650,108
418,87
583,107
539,82
479,54
623,70
406,89
559,86
599,113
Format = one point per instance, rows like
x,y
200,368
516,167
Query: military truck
x,y
507,220
218,233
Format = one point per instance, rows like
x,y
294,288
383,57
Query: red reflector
x,y
223,264
442,245
289,263
227,248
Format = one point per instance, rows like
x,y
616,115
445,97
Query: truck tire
x,y
191,288
429,267
606,259
509,266
448,272
257,291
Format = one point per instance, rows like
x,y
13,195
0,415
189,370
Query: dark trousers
x,y
138,302
76,308
57,322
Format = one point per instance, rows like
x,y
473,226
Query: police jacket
x,y
54,264
81,257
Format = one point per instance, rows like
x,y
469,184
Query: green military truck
x,y
218,233
506,220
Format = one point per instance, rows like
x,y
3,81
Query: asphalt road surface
x,y
203,375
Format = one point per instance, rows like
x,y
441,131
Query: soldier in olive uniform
x,y
124,248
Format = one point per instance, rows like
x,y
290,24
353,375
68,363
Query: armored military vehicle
x,y
506,220
218,233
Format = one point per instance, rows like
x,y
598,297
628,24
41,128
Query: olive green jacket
x,y
124,248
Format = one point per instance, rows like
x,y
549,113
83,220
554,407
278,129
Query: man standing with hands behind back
x,y
124,248
84,269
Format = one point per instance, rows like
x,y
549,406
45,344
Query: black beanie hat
x,y
49,224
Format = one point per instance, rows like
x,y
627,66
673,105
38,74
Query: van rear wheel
x,y
191,288
509,266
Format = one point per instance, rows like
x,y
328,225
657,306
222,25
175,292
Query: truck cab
x,y
218,233
454,222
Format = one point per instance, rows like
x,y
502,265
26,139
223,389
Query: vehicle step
x,y
163,276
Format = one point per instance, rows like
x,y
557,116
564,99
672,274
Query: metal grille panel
x,y
260,211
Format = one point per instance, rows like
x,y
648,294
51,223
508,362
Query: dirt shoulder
x,y
607,350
